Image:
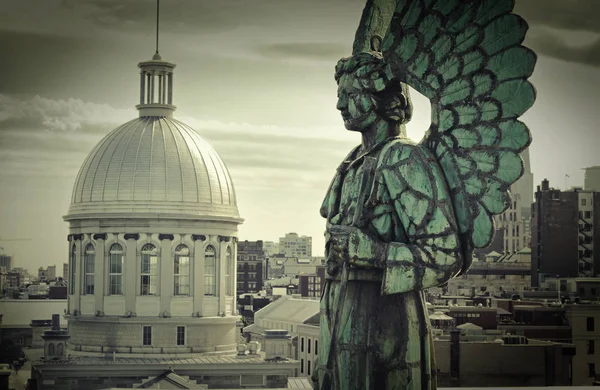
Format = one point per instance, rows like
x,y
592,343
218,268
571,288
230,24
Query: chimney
x,y
253,347
55,321
545,185
241,350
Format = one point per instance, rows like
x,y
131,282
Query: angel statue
x,y
404,216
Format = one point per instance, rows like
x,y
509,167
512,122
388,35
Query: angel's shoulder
x,y
402,150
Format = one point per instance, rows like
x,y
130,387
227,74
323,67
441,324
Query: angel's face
x,y
356,105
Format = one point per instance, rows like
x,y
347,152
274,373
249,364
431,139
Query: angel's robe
x,y
382,339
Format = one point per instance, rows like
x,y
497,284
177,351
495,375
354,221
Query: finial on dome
x,y
156,83
156,55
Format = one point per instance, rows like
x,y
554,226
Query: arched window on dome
x,y
228,268
115,270
181,271
149,270
88,264
72,262
210,267
51,350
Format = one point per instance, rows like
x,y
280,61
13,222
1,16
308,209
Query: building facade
x,y
311,285
6,262
47,274
271,248
250,266
293,245
592,179
564,233
585,328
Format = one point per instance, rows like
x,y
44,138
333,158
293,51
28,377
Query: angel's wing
x,y
466,57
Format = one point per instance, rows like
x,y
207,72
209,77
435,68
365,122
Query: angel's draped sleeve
x,y
418,200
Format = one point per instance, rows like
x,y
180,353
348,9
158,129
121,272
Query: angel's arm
x,y
418,196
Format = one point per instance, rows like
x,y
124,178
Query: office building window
x,y
115,270
308,345
210,266
316,347
591,347
181,335
302,344
181,271
147,335
301,366
308,367
149,270
88,263
592,370
590,324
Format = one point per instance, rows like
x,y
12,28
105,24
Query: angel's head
x,y
367,94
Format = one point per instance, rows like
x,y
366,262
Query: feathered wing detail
x,y
467,58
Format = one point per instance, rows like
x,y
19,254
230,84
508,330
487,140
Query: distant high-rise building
x,y
293,245
6,261
271,248
13,279
523,188
250,266
592,179
565,232
66,272
47,274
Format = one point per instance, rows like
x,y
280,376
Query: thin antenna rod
x,y
157,19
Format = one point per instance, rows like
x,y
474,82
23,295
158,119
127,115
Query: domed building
x,y
152,237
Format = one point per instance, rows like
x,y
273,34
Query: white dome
x,y
153,166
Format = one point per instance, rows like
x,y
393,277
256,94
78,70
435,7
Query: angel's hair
x,y
391,97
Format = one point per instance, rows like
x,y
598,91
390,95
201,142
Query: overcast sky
x,y
255,78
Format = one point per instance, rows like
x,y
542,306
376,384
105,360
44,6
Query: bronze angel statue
x,y
405,216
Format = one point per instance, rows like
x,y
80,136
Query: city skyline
x,y
254,78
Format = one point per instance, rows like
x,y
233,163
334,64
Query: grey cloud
x,y
581,15
58,115
308,50
176,16
552,45
215,16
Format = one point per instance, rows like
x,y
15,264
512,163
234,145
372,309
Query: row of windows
x,y
149,270
308,345
147,335
307,367
585,215
59,350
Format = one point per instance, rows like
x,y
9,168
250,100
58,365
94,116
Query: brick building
x,y
250,266
565,233
311,285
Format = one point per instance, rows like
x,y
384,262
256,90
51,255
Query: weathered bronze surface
x,y
405,216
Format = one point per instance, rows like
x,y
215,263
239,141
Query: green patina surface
x,y
403,216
